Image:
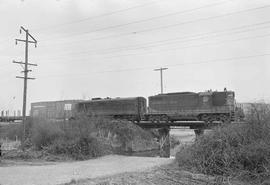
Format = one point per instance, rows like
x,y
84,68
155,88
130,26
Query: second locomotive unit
x,y
132,109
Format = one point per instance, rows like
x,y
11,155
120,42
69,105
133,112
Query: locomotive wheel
x,y
225,119
164,118
152,119
155,119
219,117
213,118
205,118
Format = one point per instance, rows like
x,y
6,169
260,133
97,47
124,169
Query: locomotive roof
x,y
58,101
191,93
110,99
176,93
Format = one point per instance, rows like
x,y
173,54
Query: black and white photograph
x,y
135,92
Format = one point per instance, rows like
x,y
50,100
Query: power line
x,y
191,35
168,65
98,16
191,46
176,40
92,17
151,18
203,19
193,63
185,47
166,26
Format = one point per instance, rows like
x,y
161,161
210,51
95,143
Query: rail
x,y
10,118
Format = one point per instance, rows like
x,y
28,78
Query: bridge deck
x,y
191,124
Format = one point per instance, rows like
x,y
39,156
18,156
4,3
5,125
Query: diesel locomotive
x,y
132,109
181,106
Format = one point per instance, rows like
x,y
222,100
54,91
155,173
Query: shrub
x,y
43,133
123,129
72,138
79,148
242,149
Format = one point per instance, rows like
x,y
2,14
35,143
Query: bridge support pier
x,y
164,141
198,132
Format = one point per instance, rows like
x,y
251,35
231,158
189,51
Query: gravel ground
x,y
64,172
162,175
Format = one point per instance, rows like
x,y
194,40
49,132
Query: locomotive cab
x,y
216,106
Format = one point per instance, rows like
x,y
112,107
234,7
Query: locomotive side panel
x,y
117,108
173,103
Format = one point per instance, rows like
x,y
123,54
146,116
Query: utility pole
x,y
25,65
161,78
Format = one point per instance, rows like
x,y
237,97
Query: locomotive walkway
x,y
161,124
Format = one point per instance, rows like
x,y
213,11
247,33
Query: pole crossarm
x,y
16,40
24,63
28,78
162,68
29,70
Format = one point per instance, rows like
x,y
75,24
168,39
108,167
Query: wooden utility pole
x,y
25,65
161,78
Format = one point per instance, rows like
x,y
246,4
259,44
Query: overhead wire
x,y
127,9
97,16
166,65
171,49
177,40
257,8
92,17
191,46
147,19
165,26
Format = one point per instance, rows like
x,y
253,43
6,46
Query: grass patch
x,y
234,149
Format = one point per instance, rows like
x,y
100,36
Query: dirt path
x,y
59,173
160,175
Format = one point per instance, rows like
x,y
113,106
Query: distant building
x,y
247,107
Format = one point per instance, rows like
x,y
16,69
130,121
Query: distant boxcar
x,y
117,108
205,106
53,110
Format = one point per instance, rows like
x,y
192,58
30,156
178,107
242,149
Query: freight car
x,y
132,109
54,110
204,106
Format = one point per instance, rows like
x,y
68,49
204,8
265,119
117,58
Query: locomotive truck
x,y
181,106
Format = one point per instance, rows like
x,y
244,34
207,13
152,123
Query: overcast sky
x,y
109,48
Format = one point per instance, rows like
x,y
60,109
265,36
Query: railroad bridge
x,y
164,131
